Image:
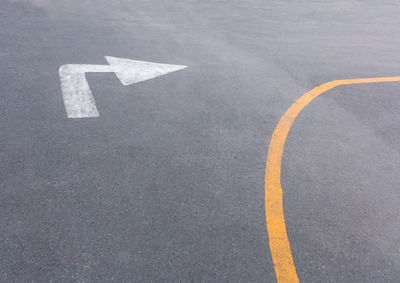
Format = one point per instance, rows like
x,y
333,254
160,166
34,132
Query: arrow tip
x,y
133,71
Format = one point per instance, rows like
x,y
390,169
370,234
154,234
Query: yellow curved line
x,y
278,240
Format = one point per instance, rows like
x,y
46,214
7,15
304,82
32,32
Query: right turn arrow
x,y
78,98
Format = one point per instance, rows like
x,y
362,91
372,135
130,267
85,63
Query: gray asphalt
x,y
167,185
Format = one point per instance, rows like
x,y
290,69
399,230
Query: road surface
x,y
167,184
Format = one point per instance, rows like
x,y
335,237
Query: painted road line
x,y
78,98
278,240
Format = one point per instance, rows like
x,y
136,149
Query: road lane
x,y
167,184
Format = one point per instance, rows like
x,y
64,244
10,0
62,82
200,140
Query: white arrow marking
x,y
78,98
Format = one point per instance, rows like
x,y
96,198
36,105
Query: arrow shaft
x,y
78,98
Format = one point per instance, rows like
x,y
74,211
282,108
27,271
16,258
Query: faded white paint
x,y
78,98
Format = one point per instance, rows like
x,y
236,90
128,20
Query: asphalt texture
x,y
167,185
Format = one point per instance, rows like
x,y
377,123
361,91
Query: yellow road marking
x,y
278,240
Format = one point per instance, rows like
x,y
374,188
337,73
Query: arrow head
x,y
132,71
